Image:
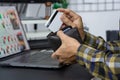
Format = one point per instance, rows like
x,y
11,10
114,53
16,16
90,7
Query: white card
x,y
54,22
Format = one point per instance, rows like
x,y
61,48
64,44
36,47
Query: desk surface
x,y
73,72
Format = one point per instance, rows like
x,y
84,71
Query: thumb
x,y
61,35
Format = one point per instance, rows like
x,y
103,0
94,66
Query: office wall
x,y
99,22
98,15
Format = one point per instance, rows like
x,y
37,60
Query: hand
x,y
67,52
70,18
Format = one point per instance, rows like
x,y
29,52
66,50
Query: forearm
x,y
99,63
114,46
100,44
95,42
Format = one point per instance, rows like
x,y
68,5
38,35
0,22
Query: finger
x,y
68,12
70,60
67,21
55,56
61,60
63,25
61,10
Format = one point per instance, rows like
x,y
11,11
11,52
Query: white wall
x,y
99,22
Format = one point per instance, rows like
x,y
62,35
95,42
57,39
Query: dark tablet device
x,y
55,41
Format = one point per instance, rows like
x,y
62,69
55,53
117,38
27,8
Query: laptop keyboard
x,y
37,57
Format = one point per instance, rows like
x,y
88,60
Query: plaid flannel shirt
x,y
101,58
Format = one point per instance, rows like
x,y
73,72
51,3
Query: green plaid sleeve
x,y
105,65
114,46
100,44
101,58
95,42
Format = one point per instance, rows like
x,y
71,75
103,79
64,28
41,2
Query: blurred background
x,y
100,17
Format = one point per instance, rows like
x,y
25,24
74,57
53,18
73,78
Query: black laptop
x,y
14,48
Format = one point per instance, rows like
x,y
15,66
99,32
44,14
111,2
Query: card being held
x,y
54,22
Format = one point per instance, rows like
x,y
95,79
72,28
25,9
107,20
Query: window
x,y
94,5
